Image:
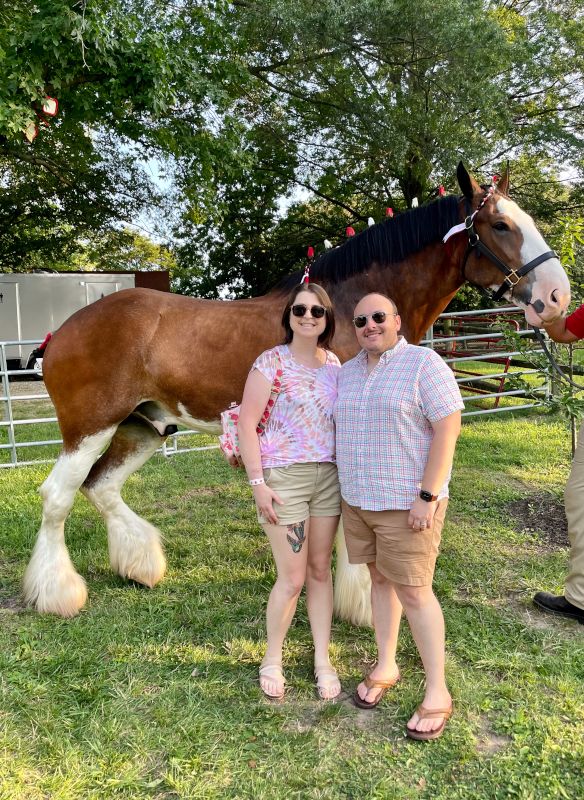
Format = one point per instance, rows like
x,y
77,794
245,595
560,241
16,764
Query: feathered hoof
x,y
136,552
150,571
62,592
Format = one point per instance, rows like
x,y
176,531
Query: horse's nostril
x,y
554,297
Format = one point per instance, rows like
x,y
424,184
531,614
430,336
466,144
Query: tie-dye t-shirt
x,y
301,427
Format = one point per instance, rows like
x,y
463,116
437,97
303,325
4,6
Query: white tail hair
x,y
352,597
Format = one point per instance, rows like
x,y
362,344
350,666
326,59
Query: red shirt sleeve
x,y
575,322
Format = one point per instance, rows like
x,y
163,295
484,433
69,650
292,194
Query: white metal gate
x,y
468,342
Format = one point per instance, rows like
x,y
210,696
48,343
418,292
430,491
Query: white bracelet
x,y
256,481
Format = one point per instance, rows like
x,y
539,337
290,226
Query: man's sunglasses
x,y
300,310
378,317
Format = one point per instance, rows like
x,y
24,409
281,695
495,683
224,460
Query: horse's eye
x,y
501,226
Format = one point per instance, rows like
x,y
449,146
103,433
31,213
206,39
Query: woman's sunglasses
x,y
378,317
300,310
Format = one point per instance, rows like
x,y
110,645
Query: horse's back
x,y
140,344
95,359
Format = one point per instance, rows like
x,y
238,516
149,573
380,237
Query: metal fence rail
x,y
12,424
459,351
470,345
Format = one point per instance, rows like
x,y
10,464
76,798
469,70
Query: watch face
x,y
427,496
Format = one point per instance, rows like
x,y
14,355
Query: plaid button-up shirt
x,y
383,422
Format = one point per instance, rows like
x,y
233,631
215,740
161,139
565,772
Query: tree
x,y
121,250
375,101
132,79
342,107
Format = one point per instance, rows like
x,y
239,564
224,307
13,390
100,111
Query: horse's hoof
x,y
151,573
64,595
135,549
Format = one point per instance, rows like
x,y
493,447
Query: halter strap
x,y
512,276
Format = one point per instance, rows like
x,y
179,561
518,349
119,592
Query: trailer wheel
x,y
33,364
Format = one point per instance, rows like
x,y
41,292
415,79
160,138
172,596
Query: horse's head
x,y
508,254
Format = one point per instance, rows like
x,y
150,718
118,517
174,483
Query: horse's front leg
x,y
51,583
134,544
352,594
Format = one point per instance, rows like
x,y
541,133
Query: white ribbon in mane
x,y
462,225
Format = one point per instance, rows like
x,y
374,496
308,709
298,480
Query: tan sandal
x,y
429,713
327,679
371,683
273,672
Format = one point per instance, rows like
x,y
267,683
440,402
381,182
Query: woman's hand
x,y
421,514
264,499
234,461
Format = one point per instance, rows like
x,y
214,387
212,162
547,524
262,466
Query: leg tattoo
x,y
296,530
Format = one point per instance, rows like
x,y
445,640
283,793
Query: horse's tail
x,y
352,597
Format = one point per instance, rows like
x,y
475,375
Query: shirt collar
x,y
388,355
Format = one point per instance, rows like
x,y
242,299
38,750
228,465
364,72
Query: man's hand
x,y
559,333
422,514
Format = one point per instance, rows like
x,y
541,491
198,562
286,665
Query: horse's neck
x,y
422,287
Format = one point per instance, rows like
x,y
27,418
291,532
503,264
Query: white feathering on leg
x,y
51,583
135,548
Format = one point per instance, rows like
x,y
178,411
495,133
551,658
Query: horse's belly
x,y
160,418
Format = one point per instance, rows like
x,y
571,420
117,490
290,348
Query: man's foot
x,y
428,723
371,690
328,684
272,681
557,604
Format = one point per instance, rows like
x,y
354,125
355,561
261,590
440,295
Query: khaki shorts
x,y
384,538
308,490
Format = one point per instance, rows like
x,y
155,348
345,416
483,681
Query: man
x,y
398,419
571,603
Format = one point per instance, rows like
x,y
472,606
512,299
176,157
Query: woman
x,y
291,468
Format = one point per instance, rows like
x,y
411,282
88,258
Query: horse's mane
x,y
388,242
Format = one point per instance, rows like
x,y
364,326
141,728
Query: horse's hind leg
x,y
51,583
134,544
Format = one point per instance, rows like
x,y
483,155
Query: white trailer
x,y
34,304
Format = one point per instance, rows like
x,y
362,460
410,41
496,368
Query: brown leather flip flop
x,y
427,713
371,683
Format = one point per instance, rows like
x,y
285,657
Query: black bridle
x,y
512,276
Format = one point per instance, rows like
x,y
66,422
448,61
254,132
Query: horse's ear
x,y
466,182
503,183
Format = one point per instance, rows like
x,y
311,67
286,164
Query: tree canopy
x,y
277,123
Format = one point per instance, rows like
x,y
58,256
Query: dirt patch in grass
x,y
203,491
12,604
490,742
543,517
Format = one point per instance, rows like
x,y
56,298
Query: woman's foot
x,y
328,684
272,680
371,690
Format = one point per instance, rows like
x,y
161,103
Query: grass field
x,y
154,694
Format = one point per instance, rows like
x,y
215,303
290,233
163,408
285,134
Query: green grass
x,y
154,694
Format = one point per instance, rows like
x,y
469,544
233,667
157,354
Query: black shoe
x,y
557,604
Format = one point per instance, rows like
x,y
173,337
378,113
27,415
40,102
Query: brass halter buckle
x,y
513,278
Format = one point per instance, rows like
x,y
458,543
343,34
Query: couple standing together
x,y
389,418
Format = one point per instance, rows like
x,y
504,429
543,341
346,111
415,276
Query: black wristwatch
x,y
428,496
